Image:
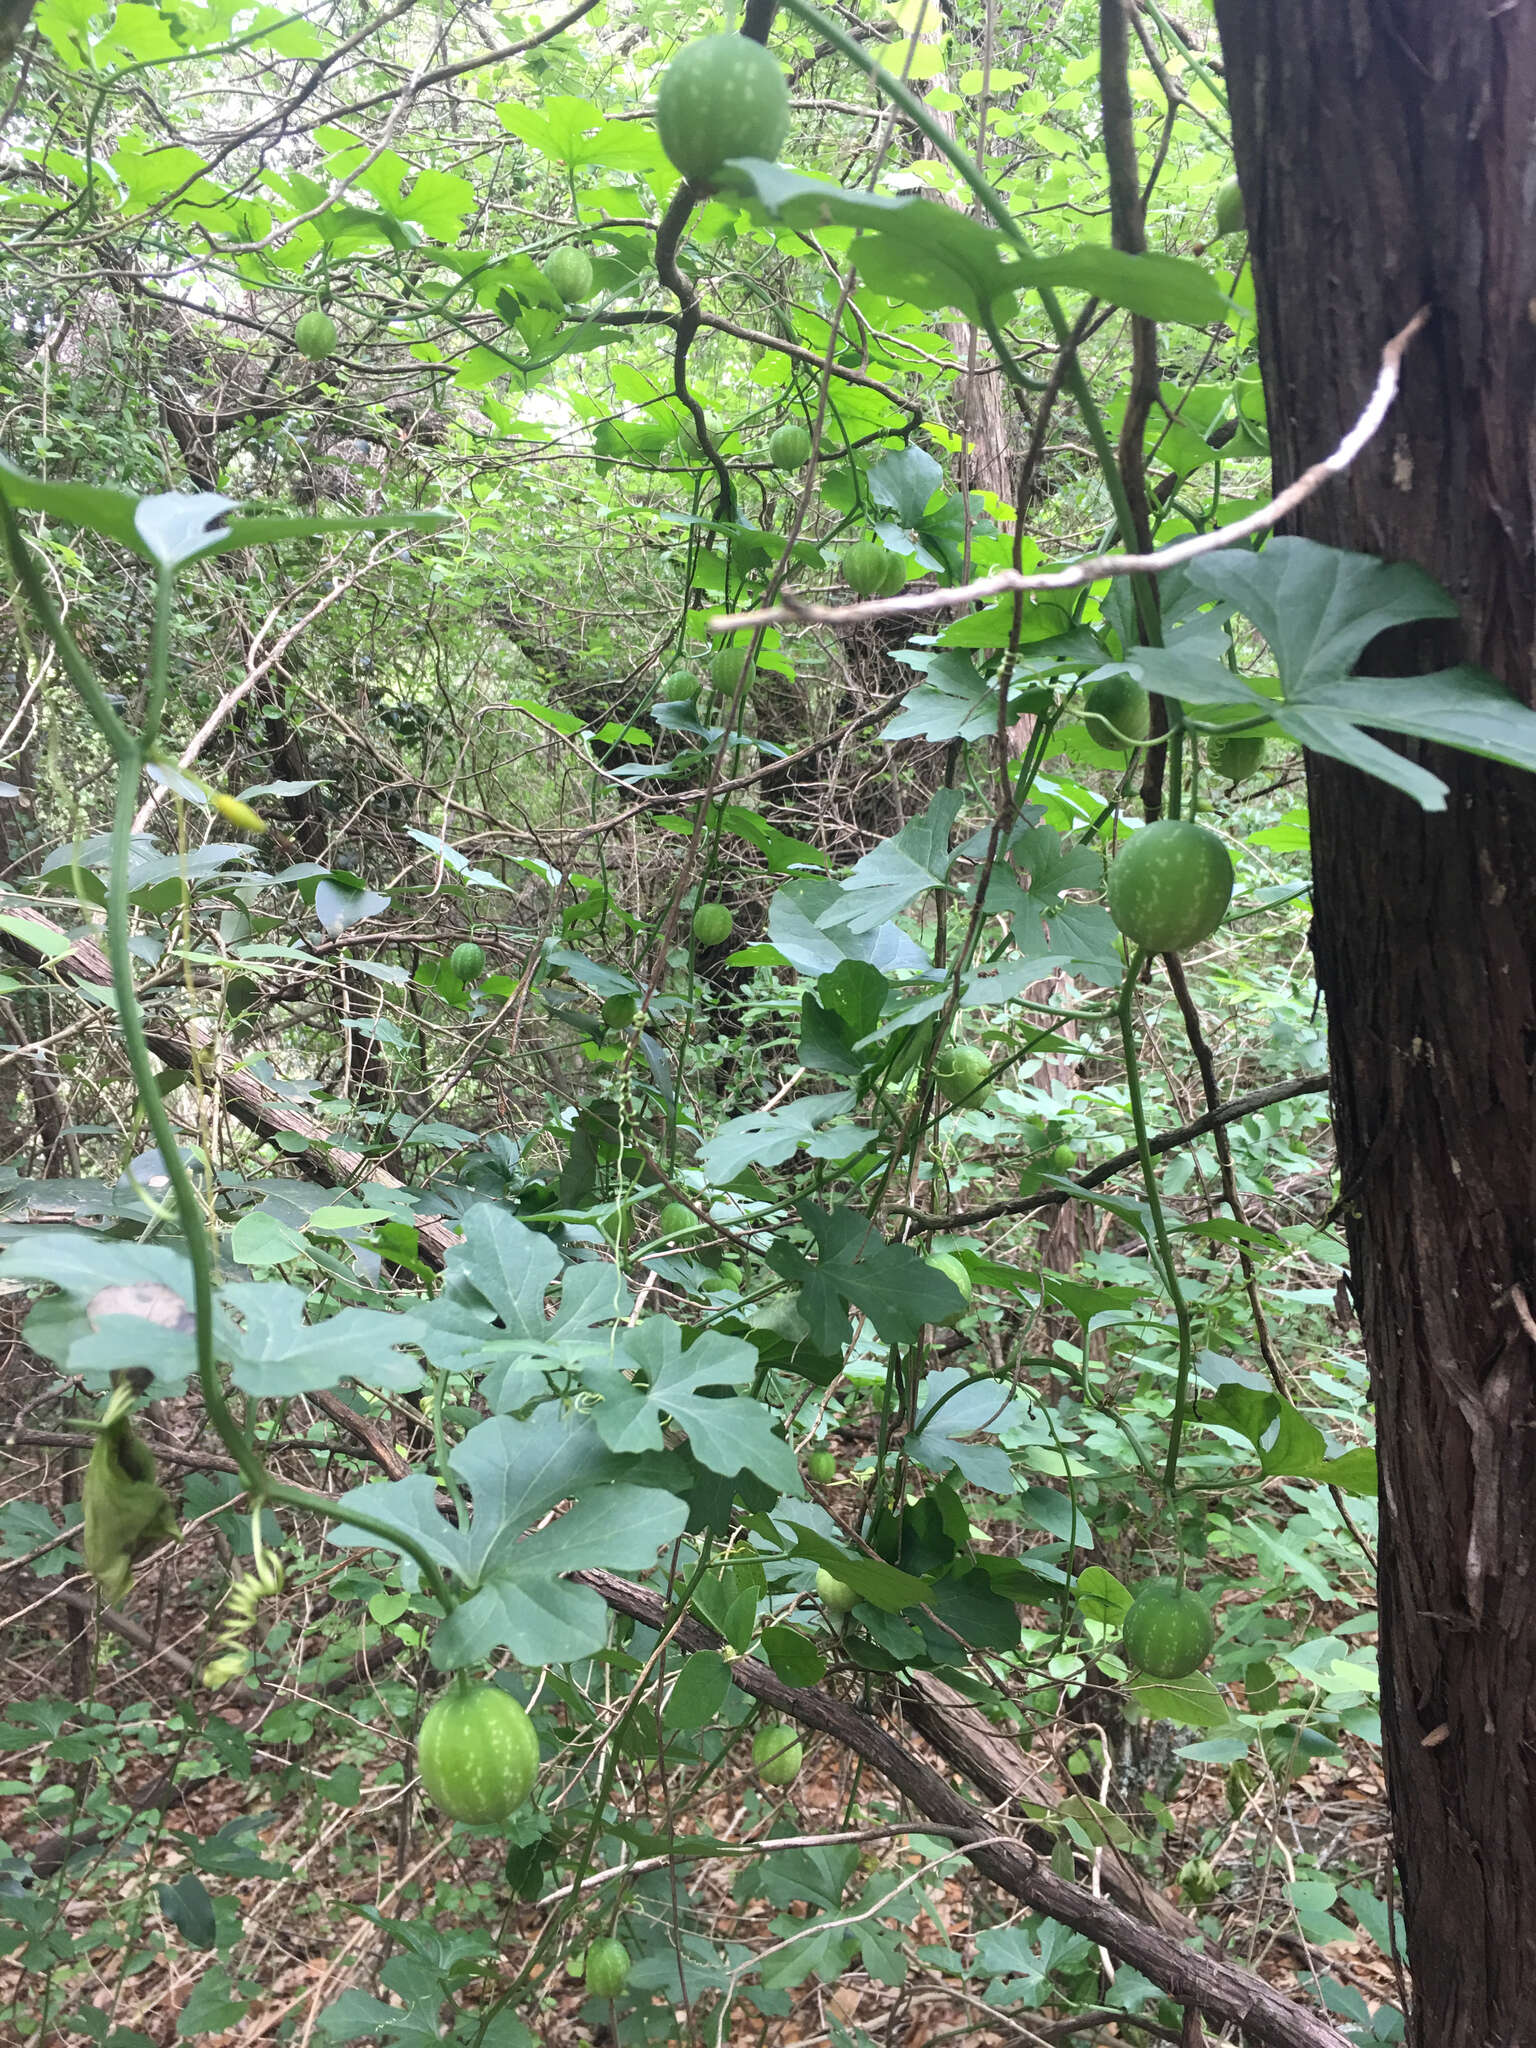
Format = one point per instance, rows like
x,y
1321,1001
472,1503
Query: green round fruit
x,y
822,1467
1171,886
789,446
1231,216
682,686
960,1074
895,576
777,1753
1234,759
570,272
866,566
315,336
606,1968
957,1273
677,1220
713,924
477,1754
1063,1159
728,666
1167,1631
467,962
1118,713
722,97
620,1011
835,1594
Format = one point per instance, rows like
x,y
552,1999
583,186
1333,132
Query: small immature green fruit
x,y
712,924
1063,1159
960,1074
777,1753
789,446
1235,758
724,96
1167,1631
619,1012
682,686
677,1220
835,1594
238,814
895,576
866,566
606,1968
1118,713
822,1467
477,1754
726,667
467,962
957,1273
1231,216
315,336
1171,886
570,272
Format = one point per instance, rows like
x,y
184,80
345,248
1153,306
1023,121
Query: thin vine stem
x,y
1126,1015
131,753
961,161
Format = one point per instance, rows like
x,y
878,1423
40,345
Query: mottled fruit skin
x,y
681,686
1231,216
822,1467
724,96
777,1753
789,446
676,1220
895,576
960,1074
1117,713
606,1968
835,1594
866,568
570,272
726,667
1235,759
477,1754
1167,1631
1171,886
620,1011
315,336
712,924
467,961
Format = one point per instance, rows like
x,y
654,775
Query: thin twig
x,y
1083,1183
791,612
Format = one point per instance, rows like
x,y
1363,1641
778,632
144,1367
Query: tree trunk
x,y
1387,151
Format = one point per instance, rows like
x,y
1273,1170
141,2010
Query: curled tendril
x,y
264,1581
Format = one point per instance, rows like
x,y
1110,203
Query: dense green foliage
x,y
541,1102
